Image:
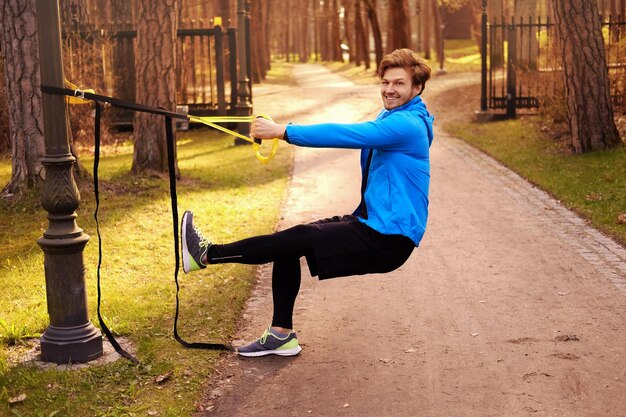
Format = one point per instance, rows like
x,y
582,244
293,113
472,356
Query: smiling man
x,y
384,229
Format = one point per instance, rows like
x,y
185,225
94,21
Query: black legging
x,y
284,248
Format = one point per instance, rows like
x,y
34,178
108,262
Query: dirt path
x,y
512,306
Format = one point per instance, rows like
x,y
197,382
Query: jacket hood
x,y
416,105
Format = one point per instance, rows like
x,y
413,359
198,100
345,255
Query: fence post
x,y
511,95
483,52
248,51
219,69
70,337
244,107
232,64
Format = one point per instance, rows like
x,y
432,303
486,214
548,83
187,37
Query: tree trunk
x,y
155,60
398,26
267,36
258,25
362,51
5,140
590,111
223,10
315,30
476,29
495,13
370,6
426,20
21,70
438,32
336,35
325,32
349,24
525,11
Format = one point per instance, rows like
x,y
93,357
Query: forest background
x,y
350,36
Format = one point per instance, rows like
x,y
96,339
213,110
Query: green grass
x,y
460,55
591,184
232,196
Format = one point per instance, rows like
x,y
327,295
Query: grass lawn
x,y
232,196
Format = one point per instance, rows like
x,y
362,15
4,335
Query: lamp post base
x,y
63,345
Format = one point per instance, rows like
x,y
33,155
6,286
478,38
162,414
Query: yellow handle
x,y
212,120
256,146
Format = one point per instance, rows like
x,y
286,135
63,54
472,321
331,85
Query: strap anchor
x,y
79,93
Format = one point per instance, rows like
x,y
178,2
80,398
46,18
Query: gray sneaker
x,y
272,344
195,245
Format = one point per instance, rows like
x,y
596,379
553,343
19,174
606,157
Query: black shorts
x,y
344,246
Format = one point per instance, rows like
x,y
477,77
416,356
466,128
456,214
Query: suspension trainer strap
x,y
96,162
171,162
123,104
171,154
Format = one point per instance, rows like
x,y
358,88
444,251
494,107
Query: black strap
x,y
366,173
96,162
96,98
171,163
112,101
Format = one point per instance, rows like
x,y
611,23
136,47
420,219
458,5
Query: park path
x,y
512,306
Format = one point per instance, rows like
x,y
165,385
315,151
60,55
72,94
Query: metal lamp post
x,y
70,337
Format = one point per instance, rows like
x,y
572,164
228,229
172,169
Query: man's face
x,y
397,88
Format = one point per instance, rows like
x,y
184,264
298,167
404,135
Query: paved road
x,y
512,306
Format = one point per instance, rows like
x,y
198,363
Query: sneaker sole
x,y
283,352
183,239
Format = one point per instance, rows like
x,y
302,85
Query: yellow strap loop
x,y
212,120
78,93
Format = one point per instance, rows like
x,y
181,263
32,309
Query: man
x,y
381,233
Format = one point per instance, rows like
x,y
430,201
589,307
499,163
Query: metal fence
x,y
206,68
522,65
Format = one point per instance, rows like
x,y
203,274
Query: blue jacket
x,y
397,188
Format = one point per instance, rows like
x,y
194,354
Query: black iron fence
x,y
206,68
521,65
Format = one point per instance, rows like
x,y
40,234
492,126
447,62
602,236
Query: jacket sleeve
x,y
393,132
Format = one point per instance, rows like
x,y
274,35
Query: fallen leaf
x,y
153,413
385,360
18,399
410,350
346,405
593,196
474,334
621,219
164,377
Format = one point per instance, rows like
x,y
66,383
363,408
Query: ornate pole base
x,y
71,344
71,337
